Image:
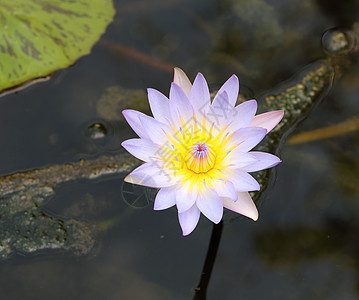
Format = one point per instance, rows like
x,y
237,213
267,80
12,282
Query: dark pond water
x,y
305,243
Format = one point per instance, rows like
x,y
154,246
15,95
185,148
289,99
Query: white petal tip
x,y
252,213
178,72
181,79
255,218
268,120
134,180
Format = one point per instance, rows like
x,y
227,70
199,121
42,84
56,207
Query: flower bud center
x,y
200,157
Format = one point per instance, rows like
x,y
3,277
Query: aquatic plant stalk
x,y
201,289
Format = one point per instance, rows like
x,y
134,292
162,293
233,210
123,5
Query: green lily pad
x,y
38,37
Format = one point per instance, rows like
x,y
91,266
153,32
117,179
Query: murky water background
x,y
304,245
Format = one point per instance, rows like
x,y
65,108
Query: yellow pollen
x,y
200,158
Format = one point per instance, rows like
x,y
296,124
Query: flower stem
x,y
201,289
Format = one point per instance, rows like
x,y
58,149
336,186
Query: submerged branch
x,y
137,55
326,132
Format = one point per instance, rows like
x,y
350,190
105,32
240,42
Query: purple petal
x,y
185,197
143,149
199,97
246,138
210,204
189,219
180,106
152,174
243,182
181,79
244,206
219,112
264,161
159,105
155,130
268,120
132,118
225,188
243,115
237,159
165,198
231,87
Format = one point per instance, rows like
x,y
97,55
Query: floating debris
x,y
116,98
336,41
97,131
25,228
299,95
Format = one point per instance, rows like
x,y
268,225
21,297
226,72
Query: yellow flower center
x,y
200,157
195,153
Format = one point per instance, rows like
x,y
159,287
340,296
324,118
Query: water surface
x,y
304,245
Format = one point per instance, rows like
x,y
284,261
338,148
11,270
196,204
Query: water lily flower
x,y
198,152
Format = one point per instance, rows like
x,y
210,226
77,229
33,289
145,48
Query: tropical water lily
x,y
197,151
